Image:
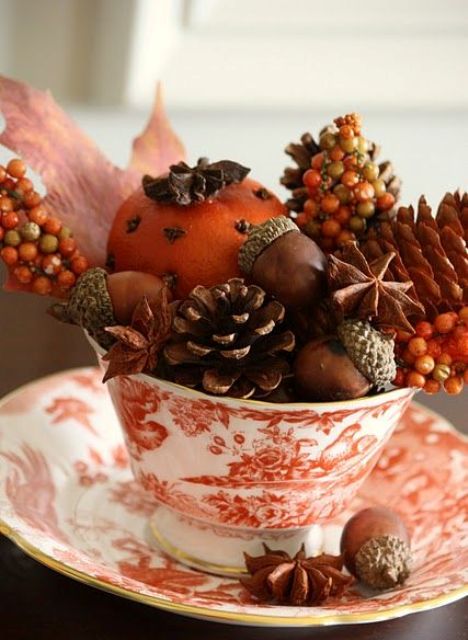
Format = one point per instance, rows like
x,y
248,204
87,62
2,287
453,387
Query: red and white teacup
x,y
230,474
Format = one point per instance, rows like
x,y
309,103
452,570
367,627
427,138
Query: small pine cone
x,y
89,306
371,351
227,341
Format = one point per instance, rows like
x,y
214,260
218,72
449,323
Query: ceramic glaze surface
x,y
67,496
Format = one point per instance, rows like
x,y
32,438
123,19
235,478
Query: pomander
x,y
370,350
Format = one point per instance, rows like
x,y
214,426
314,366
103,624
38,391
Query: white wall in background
x,y
243,54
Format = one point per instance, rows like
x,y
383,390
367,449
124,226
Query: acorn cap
x,y
383,562
89,306
260,236
370,350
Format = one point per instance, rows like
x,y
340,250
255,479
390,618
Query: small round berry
x,y
38,215
336,154
462,346
3,174
327,140
441,372
335,169
343,194
79,265
357,224
32,199
312,229
9,255
454,385
362,145
66,279
380,188
51,264
365,209
344,237
12,238
301,220
10,220
403,336
434,349
67,246
66,232
415,379
6,204
385,202
312,179
424,329
349,178
23,274
27,251
463,315
311,208
364,191
2,233
346,132
348,145
445,322
53,226
9,184
400,378
317,161
417,346
16,168
30,231
24,185
408,357
343,214
370,171
445,358
331,228
329,203
42,285
432,386
48,243
424,364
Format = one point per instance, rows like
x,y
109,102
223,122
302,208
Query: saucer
x,y
67,498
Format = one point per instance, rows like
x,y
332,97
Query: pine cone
x,y
302,153
227,340
430,251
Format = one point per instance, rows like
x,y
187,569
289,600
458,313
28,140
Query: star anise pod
x,y
359,290
279,578
138,345
185,185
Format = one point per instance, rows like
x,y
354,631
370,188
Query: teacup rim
x,y
392,394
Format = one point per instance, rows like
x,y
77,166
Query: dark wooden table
x,y
38,604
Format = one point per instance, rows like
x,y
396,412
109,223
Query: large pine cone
x,y
227,341
302,153
430,251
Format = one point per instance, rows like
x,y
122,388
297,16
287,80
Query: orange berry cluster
x,y
344,187
436,355
38,250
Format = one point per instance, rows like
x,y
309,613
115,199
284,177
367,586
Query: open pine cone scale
x,y
227,340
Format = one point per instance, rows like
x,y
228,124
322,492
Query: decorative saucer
x,y
67,498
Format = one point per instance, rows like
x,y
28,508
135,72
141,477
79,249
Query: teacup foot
x,y
220,550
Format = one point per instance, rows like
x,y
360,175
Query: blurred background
x,y
242,78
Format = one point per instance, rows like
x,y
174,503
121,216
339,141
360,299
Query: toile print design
x,y
314,461
97,529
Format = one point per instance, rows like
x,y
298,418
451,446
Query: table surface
x,y
37,603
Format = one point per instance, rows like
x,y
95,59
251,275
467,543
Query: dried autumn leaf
x,y
84,189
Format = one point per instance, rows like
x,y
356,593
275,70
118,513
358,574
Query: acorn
x,y
100,300
285,263
375,544
323,371
345,366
